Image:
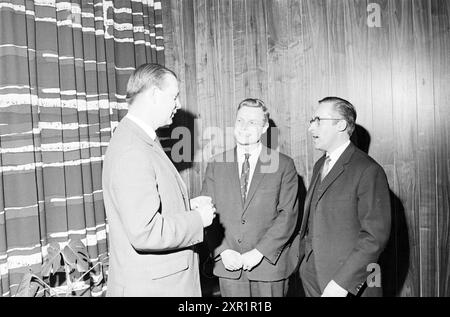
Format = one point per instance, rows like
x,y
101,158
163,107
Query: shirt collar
x,y
144,126
253,154
334,156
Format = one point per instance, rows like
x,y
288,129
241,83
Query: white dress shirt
x,y
253,159
336,154
144,126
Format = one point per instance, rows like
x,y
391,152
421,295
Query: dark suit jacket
x,y
151,230
352,220
266,221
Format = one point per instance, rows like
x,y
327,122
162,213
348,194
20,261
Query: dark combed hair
x,y
345,109
146,76
255,103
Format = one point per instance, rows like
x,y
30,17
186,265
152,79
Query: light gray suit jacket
x,y
151,230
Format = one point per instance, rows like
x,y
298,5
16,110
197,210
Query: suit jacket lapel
x,y
314,179
312,185
337,170
256,180
156,146
175,172
234,177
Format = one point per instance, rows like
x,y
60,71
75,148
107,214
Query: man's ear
x,y
342,125
152,93
266,126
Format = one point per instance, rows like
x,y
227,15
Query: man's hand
x,y
203,204
334,290
251,259
207,213
200,201
231,260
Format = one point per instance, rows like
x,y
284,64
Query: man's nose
x,y
246,125
241,125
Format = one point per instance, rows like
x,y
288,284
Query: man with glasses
x,y
254,189
347,217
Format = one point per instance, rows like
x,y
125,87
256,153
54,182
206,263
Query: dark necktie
x,y
325,168
244,177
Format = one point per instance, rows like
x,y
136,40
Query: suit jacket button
x,y
243,221
239,240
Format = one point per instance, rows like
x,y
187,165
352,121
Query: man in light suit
x,y
152,230
254,189
346,221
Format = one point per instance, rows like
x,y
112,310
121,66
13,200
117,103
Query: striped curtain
x,y
63,72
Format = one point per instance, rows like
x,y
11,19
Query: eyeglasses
x,y
318,119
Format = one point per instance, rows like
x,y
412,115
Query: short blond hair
x,y
146,76
255,103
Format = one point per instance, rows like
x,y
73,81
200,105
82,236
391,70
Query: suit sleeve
x,y
135,190
214,234
374,213
274,240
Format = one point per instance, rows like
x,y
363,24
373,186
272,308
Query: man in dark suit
x,y
254,190
152,229
346,221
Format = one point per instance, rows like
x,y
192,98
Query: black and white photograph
x,y
230,155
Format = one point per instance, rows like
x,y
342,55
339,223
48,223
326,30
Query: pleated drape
x,y
63,72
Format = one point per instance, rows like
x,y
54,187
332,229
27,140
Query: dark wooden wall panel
x,y
337,47
292,53
382,147
240,47
405,127
226,64
357,67
278,34
193,171
317,69
297,86
440,16
256,49
426,170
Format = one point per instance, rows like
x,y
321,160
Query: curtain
x,y
64,66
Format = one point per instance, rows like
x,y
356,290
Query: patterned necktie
x,y
244,177
325,168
